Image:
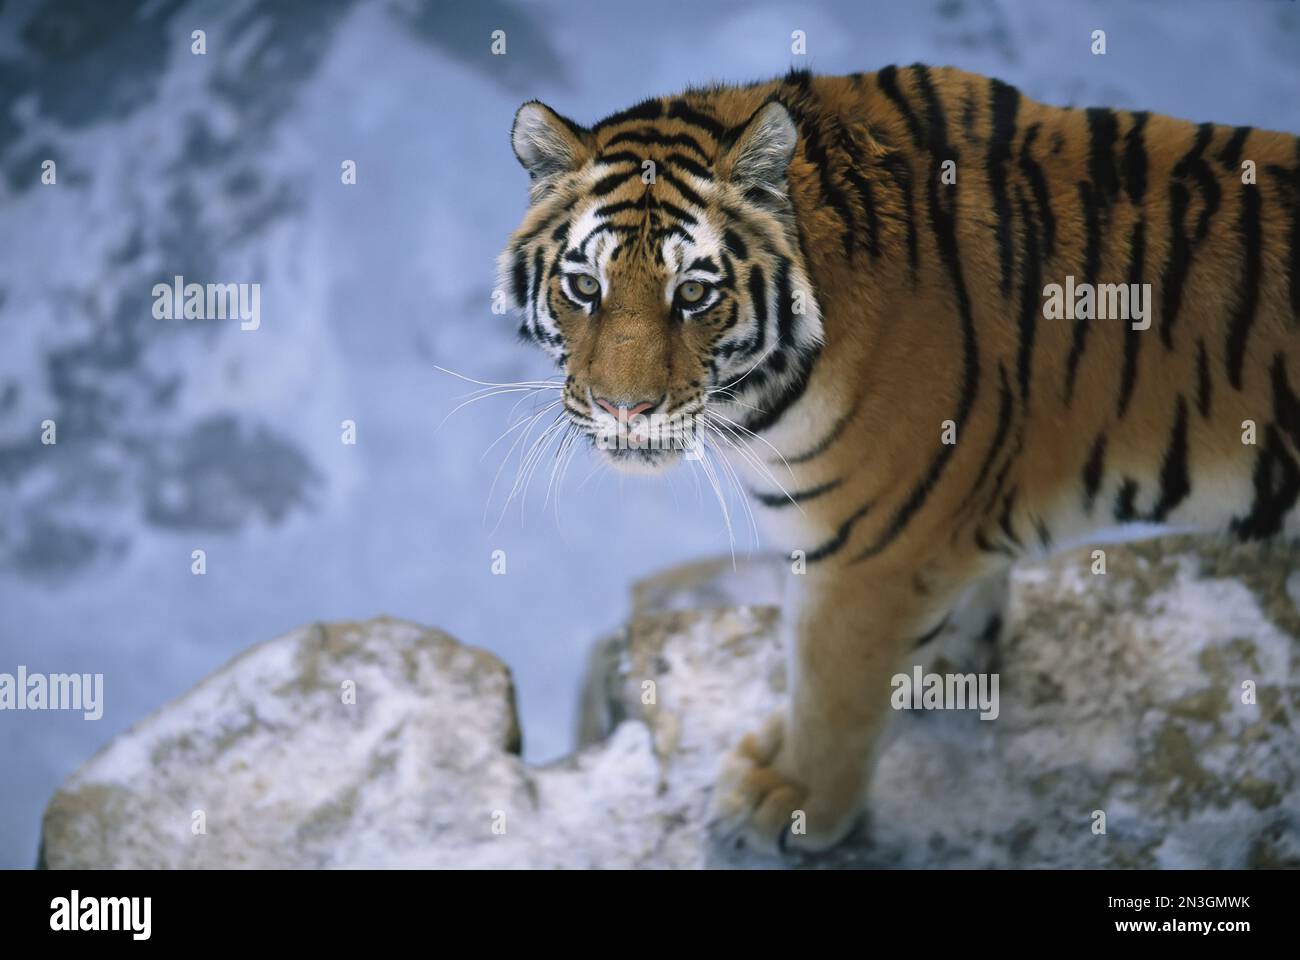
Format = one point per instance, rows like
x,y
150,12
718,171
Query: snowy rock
x,y
1165,694
333,745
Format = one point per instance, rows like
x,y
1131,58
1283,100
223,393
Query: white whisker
x,y
728,386
763,440
516,425
735,442
489,383
493,392
531,422
736,485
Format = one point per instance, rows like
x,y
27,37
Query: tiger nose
x,y
623,409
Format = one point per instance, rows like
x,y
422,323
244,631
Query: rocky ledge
x,y
387,744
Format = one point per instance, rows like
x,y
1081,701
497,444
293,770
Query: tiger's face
x,y
659,266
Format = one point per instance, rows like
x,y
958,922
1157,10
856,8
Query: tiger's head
x,y
659,265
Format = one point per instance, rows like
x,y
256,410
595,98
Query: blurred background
x,y
182,435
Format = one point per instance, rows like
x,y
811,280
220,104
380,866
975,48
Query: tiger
x,y
856,282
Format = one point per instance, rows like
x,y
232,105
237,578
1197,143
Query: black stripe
x,y
733,314
1042,195
1293,267
650,109
683,111
840,538
1180,252
1192,166
784,305
901,174
1286,406
777,500
537,277
1090,202
611,182
659,235
1031,292
689,195
675,211
984,543
1126,501
609,209
831,195
596,231
1044,533
1204,176
546,222
888,80
1277,484
519,278
800,77
999,434
552,338
866,195
1093,471
968,117
689,165
1204,385
1005,470
619,156
992,630
1230,155
727,281
1004,102
1004,520
538,274
1175,484
790,393
929,635
1135,160
824,444
1103,132
758,303
657,138
1247,300
943,222
732,241
1133,338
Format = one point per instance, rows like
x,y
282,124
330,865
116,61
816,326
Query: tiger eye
x,y
692,291
586,285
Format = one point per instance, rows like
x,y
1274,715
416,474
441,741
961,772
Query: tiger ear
x,y
546,143
760,156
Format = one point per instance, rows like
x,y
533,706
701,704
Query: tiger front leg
x,y
799,782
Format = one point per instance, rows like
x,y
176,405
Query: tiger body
x,y
875,353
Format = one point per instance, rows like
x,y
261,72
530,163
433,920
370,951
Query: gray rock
x,y
1121,693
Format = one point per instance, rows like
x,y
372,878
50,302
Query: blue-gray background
x,y
181,435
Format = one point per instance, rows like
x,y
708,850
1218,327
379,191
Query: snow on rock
x,y
1125,698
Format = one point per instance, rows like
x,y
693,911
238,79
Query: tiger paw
x,y
758,806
